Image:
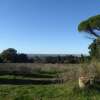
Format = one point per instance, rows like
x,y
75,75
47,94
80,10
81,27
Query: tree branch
x,y
92,32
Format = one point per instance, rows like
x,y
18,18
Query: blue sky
x,y
45,26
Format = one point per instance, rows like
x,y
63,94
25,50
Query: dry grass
x,y
60,71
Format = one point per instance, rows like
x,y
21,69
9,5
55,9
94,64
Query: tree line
x,y
10,55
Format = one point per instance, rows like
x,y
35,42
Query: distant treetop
x,y
91,26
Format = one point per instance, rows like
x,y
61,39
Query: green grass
x,y
67,91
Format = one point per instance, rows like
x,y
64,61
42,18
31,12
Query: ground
x,y
66,91
69,90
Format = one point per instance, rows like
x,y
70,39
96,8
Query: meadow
x,y
54,89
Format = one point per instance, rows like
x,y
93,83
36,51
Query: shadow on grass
x,y
97,86
4,81
33,75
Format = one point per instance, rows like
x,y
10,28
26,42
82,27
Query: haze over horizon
x,y
45,26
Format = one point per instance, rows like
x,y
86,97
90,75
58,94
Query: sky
x,y
45,26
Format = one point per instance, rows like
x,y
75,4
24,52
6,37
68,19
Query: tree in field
x,y
9,55
91,26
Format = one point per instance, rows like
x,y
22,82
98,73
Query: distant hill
x,y
53,55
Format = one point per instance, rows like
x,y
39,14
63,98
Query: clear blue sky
x,y
45,26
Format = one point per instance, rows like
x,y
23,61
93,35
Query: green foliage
x,y
9,55
91,26
95,49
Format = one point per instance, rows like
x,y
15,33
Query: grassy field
x,y
66,91
60,91
22,70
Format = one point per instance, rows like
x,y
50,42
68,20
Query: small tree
x,y
9,55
